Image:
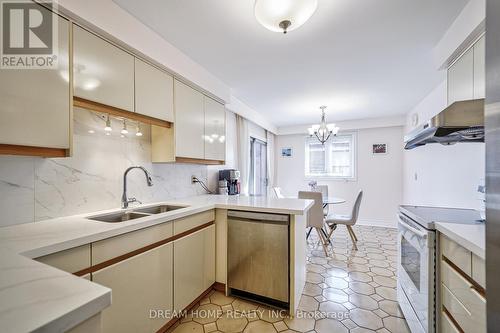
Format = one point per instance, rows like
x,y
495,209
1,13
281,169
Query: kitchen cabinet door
x,y
215,130
154,92
35,103
139,284
189,122
103,73
479,69
71,260
194,266
461,78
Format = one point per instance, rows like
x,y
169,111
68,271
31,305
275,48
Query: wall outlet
x,y
194,180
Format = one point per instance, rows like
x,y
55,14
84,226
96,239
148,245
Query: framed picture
x,y
379,148
286,152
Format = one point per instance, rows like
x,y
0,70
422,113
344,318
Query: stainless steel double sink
x,y
122,216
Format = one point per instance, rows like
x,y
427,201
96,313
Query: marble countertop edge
x,y
470,236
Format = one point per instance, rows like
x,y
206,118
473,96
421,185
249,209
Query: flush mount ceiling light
x,y
323,131
284,15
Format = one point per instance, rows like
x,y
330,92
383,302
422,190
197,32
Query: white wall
x,y
379,176
443,176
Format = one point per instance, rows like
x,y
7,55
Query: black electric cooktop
x,y
427,216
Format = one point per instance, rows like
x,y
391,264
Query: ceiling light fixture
x,y
124,129
323,131
284,15
108,124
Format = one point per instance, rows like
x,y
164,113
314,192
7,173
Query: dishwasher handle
x,y
256,216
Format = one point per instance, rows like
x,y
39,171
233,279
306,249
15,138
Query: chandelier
x,y
323,131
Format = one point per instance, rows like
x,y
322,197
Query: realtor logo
x,y
28,36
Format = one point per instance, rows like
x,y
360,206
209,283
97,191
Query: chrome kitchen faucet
x,y
125,199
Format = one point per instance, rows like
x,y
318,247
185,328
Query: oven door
x,y
416,270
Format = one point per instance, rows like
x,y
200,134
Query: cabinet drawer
x,y
447,325
113,247
72,260
462,300
479,270
460,256
193,221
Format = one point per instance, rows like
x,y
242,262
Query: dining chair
x,y
323,189
315,218
277,192
348,220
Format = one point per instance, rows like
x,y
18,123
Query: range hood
x,y
462,121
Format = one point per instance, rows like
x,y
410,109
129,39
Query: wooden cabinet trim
x,y
179,159
450,317
98,107
32,151
476,285
125,256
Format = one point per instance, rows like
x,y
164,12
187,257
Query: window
x,y
334,159
258,168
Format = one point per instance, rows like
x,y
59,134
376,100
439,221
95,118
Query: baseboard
x,y
378,223
219,286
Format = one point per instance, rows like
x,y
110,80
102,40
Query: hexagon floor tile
x,y
351,291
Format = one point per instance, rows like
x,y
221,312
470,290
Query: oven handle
x,y
420,233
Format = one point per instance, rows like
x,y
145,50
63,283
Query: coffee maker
x,y
231,178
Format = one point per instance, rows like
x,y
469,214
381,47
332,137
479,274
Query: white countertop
x,y
470,236
35,296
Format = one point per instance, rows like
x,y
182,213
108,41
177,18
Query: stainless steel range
x,y
417,261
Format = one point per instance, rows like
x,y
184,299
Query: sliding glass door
x,y
258,167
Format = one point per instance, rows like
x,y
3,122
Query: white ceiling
x,y
362,58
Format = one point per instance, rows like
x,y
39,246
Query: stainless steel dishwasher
x,y
258,256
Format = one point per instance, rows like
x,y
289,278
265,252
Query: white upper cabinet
x,y
189,122
466,77
461,78
479,69
103,73
215,130
35,103
154,92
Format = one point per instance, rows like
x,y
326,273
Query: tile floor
x,y
348,291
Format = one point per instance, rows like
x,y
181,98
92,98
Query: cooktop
x,y
427,216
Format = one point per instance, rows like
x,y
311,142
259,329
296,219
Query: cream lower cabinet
x,y
71,260
194,266
35,103
461,283
140,284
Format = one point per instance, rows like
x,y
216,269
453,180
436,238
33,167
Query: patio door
x,y
258,167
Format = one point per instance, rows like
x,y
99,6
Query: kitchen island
x,y
35,296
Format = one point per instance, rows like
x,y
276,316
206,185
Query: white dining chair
x,y
333,220
323,189
315,218
277,192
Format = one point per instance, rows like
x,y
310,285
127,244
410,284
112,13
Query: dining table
x,y
332,201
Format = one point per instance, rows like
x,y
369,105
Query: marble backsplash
x,y
34,189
